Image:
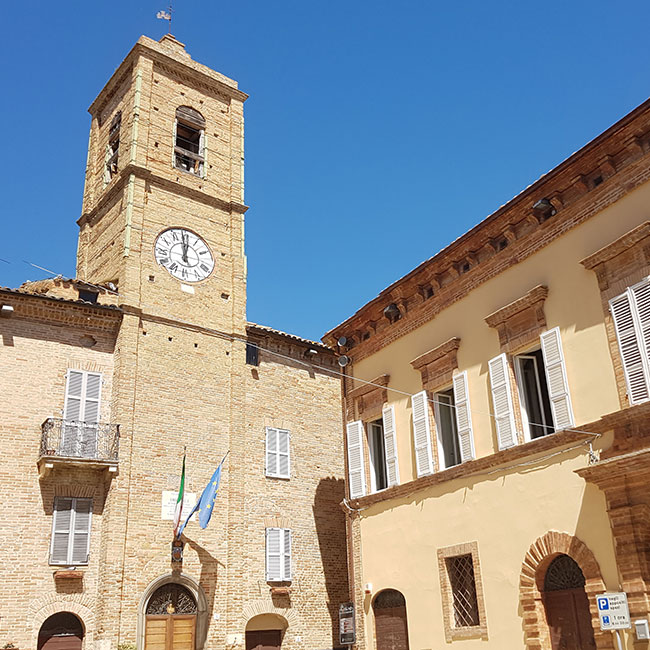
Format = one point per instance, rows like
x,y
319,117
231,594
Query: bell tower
x,y
163,205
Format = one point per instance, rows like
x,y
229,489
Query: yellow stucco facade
x,y
551,258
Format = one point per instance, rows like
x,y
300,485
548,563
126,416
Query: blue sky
x,y
376,132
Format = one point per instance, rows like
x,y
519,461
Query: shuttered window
x,y
356,465
422,434
277,453
631,314
502,400
390,446
558,386
71,531
81,413
463,417
278,555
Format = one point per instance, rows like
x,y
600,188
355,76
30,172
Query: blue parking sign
x,y
605,620
603,603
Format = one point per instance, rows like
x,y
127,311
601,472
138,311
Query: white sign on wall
x,y
613,611
168,505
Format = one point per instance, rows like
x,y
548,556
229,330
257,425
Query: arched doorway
x,y
61,631
391,628
567,606
170,619
265,632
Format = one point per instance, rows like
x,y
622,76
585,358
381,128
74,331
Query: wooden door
x,y
170,632
569,620
263,640
391,629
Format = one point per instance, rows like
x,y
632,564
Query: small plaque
x,y
168,505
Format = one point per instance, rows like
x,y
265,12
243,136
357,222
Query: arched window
x,y
171,599
189,140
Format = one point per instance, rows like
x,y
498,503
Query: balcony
x,y
85,444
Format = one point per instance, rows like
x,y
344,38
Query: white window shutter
x,y
422,434
81,533
356,466
273,554
271,451
92,396
73,408
390,445
502,400
283,454
286,568
558,386
61,522
631,351
463,417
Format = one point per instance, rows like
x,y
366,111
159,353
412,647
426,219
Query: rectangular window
x,y
81,414
252,355
277,453
278,555
463,604
70,531
113,148
463,589
631,314
188,142
533,394
447,429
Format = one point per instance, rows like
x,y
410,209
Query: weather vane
x,y
167,15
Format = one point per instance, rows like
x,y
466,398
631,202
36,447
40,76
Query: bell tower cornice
x,y
170,55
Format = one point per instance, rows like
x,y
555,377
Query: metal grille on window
x,y
463,587
171,599
563,573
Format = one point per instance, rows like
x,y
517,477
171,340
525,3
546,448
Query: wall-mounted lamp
x,y
544,209
344,360
367,588
6,311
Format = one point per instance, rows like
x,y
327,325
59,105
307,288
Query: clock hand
x,y
185,246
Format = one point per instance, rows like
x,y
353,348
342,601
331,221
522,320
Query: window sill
x,y
72,574
282,478
460,633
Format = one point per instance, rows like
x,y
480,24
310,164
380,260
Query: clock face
x,y
185,255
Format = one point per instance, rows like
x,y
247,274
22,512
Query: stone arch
x,y
266,606
199,596
51,605
267,622
531,584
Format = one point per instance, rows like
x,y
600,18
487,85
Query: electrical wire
x,y
232,337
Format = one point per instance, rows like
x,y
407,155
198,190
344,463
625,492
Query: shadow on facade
x,y
330,529
209,577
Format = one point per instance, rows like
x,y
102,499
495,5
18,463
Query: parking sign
x,y
613,611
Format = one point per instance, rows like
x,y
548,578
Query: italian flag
x,y
179,501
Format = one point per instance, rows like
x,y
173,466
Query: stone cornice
x,y
378,383
598,175
618,468
146,174
437,365
535,295
59,311
152,49
618,246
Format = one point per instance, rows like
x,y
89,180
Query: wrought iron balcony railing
x,y
70,439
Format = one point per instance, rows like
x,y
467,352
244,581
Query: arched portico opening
x,y
391,625
265,632
61,631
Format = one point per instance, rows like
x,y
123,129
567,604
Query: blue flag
x,y
205,505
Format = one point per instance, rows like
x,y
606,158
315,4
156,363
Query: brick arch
x,y
266,606
54,605
531,580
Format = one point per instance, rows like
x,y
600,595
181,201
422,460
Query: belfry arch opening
x,y
61,631
391,625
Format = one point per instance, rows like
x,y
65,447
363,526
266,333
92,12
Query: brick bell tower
x,y
163,220
163,206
